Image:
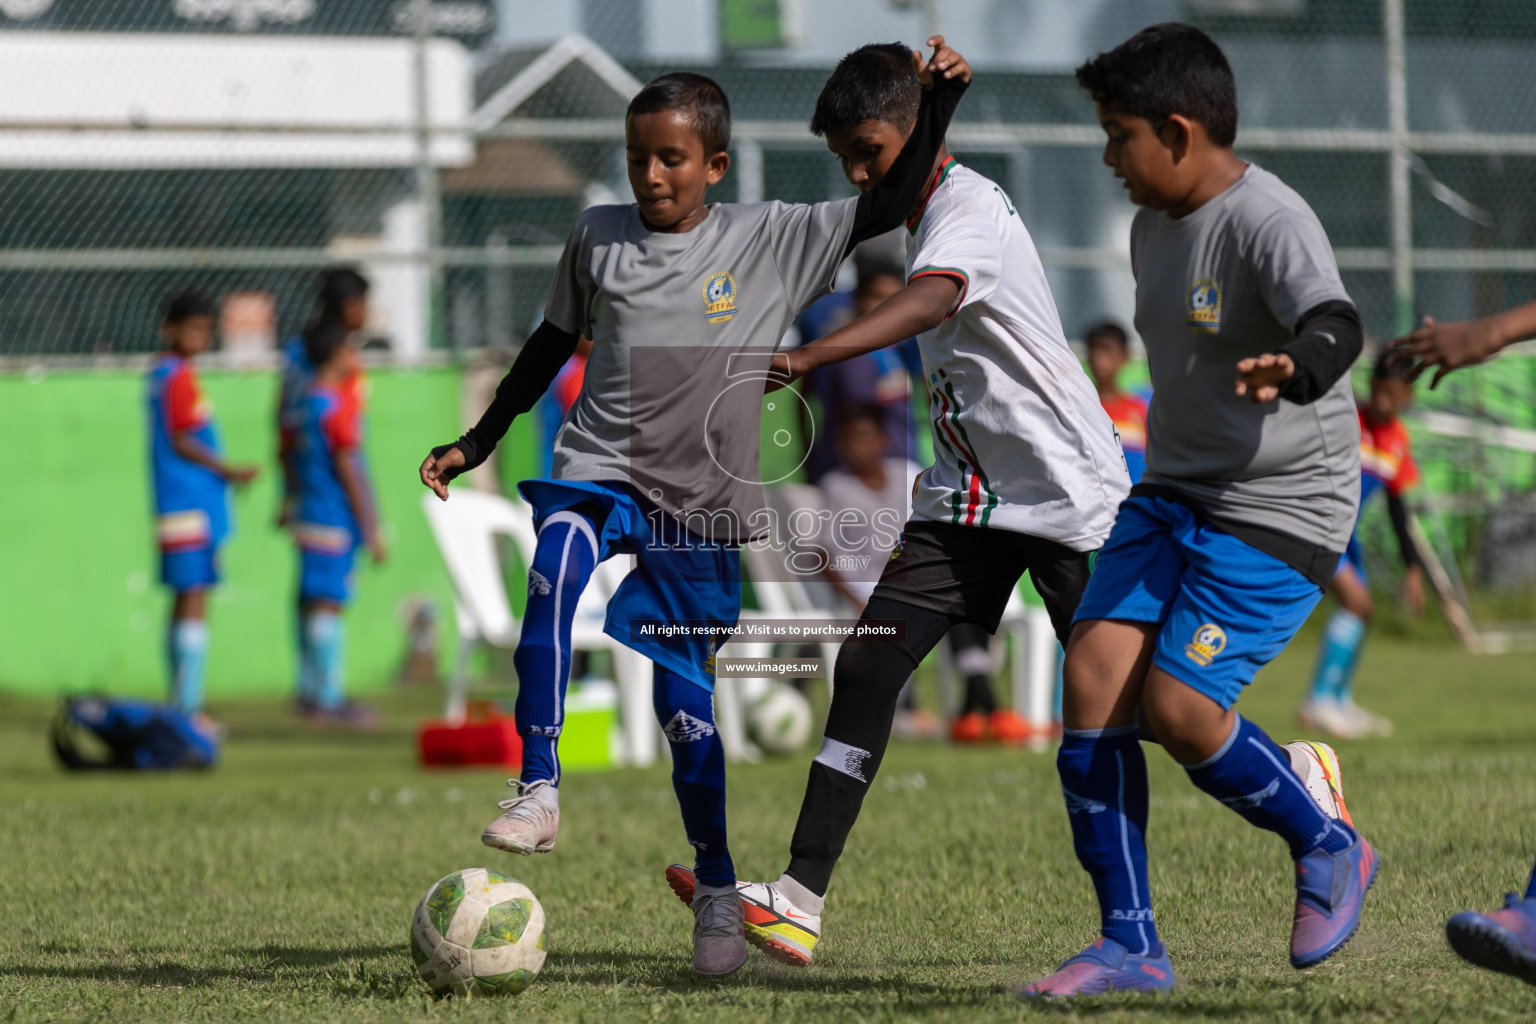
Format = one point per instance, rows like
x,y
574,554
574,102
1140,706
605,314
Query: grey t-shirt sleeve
x,y
571,290
1293,265
809,243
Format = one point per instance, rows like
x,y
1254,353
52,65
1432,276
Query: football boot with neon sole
x,y
773,924
1106,966
719,947
1317,764
1330,890
1503,941
529,821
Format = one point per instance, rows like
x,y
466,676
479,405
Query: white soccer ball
x,y
780,720
479,933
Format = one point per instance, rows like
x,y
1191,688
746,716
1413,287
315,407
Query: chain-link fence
x,y
445,146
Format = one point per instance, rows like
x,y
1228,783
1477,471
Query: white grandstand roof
x,y
121,101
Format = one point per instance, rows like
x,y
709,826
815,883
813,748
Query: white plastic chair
x,y
465,527
1032,663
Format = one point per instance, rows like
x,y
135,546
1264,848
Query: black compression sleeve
x,y
1329,339
1397,510
543,354
884,207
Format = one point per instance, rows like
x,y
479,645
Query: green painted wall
x,y
81,607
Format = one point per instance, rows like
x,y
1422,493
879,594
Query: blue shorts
x,y
1353,558
683,596
190,569
1225,608
326,575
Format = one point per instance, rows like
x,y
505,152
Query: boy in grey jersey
x,y
1247,504
685,304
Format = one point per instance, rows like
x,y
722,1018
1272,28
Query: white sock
x,y
800,896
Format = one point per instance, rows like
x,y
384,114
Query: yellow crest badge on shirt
x,y
1205,307
719,298
1210,640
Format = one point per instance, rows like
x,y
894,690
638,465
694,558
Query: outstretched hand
x,y
783,371
241,475
945,63
437,470
1261,377
1447,346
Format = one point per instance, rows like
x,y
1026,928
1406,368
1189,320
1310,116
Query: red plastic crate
x,y
485,738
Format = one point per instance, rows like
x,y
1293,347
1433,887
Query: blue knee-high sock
x,y
325,636
1338,655
687,715
562,564
188,644
308,685
1252,775
1104,779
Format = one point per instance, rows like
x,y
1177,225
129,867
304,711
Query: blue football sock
x,y
325,635
1530,886
1104,779
1252,775
1338,655
308,685
562,565
687,716
188,643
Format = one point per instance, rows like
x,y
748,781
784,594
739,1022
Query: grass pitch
x,y
280,886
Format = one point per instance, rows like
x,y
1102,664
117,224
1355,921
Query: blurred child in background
x,y
336,516
341,299
1386,464
191,487
341,303
1108,352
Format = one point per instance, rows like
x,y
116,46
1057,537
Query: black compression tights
x,y
866,683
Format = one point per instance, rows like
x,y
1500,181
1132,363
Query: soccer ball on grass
x,y
779,720
480,933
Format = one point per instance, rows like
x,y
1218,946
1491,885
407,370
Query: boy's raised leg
x,y
562,564
1252,775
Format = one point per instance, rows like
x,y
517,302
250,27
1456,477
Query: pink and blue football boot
x,y
1106,966
1504,940
1330,890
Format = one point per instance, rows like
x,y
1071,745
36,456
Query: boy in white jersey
x,y
1027,469
684,301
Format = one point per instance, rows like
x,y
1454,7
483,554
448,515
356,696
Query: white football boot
x,y
1365,722
773,924
1327,717
1317,764
528,822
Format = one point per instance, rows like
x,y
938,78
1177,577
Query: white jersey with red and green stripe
x,y
1020,440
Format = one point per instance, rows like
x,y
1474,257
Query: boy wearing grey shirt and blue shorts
x,y
685,304
1226,544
